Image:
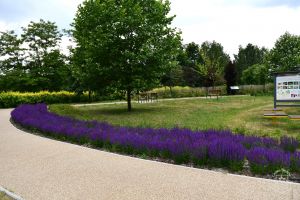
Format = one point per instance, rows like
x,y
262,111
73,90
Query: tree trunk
x,y
90,96
129,100
171,92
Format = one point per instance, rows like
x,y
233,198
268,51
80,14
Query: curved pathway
x,y
39,168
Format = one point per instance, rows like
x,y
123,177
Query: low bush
x,y
289,144
211,148
257,90
295,162
267,161
178,91
13,99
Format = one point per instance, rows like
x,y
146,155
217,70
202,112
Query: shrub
x,y
225,152
178,91
289,144
256,90
295,162
13,99
254,141
266,161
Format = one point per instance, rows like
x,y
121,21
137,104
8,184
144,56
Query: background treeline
x,y
33,61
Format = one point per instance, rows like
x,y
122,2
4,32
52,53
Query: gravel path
x,y
39,168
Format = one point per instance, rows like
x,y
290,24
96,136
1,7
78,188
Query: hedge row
x,y
13,99
178,91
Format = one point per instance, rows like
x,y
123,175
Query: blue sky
x,y
230,22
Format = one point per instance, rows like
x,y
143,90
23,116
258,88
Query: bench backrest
x,y
214,91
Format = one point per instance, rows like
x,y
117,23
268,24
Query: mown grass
x,y
3,196
241,114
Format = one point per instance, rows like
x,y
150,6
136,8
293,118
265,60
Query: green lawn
x,y
3,196
240,114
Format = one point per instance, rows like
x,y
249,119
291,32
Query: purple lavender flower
x,y
182,145
264,160
289,144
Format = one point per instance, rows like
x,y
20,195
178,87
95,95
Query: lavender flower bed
x,y
211,148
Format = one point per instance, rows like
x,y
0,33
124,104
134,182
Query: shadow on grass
x,y
123,111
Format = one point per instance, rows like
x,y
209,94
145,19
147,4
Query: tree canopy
x,y
32,61
214,62
126,44
255,75
248,56
286,53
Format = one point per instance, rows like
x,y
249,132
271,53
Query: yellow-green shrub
x,y
178,91
13,99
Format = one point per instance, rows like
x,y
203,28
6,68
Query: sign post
x,y
286,89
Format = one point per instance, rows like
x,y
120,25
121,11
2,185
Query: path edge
x,y
10,194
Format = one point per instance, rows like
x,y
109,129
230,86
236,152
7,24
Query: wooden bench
x,y
273,109
147,97
294,117
143,98
214,92
153,96
275,115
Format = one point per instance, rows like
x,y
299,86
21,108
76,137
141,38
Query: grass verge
x,y
239,114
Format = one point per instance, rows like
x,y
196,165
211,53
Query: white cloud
x,y
233,24
21,12
65,44
230,22
3,26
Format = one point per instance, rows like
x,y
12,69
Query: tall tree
x,y
11,53
128,44
256,75
230,76
173,77
44,61
248,56
12,74
214,62
193,54
189,58
286,53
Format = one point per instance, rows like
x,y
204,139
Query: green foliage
x,y
11,51
179,91
173,77
13,99
192,51
248,56
256,75
45,63
126,44
4,196
214,62
257,90
189,57
282,174
39,65
286,53
243,114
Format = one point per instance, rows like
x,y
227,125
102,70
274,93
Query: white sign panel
x,y
288,87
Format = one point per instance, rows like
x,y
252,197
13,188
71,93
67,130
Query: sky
x,y
229,22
